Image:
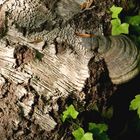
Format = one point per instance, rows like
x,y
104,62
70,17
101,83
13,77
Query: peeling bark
x,y
43,63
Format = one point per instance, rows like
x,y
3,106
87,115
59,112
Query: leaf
x,y
133,20
99,131
70,112
101,127
87,136
135,104
116,22
78,133
115,11
115,25
124,28
118,28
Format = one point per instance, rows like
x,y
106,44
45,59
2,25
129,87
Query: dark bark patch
x,y
23,55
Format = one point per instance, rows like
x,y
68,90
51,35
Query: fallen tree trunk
x,y
44,64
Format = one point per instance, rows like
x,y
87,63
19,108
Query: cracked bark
x,y
44,64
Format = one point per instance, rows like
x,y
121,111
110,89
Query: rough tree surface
x,y
44,66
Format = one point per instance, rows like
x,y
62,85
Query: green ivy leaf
x,y
101,127
133,20
87,136
118,28
115,11
115,25
124,28
135,104
99,131
116,22
70,112
78,133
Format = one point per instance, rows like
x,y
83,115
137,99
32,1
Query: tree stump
x,y
44,66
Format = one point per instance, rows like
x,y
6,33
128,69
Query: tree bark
x,y
44,65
